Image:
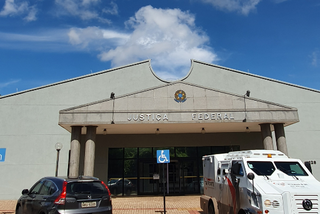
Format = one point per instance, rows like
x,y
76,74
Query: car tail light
x,y
61,199
106,188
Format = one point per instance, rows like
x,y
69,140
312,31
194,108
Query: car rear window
x,y
94,187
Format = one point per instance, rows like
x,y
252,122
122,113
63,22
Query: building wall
x,y
29,126
303,138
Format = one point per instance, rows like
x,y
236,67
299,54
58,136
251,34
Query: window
x,y
145,152
130,152
291,168
116,153
52,189
36,188
86,188
261,167
186,152
48,188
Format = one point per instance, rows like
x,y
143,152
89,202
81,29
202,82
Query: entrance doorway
x,y
139,168
181,177
178,180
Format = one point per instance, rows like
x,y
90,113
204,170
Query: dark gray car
x,y
53,195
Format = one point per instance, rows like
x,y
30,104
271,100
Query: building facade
x,y
111,124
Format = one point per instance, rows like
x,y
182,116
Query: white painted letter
x,y
165,117
141,117
225,116
158,117
194,115
148,115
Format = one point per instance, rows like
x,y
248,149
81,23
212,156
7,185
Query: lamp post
x,y
58,147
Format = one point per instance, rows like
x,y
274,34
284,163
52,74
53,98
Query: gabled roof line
x,y
76,78
257,76
149,63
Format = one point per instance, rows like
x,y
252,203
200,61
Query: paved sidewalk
x,y
141,205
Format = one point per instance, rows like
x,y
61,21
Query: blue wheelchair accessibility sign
x,y
2,154
163,156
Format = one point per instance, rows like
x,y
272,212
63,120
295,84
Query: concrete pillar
x,y
266,136
75,151
90,151
281,138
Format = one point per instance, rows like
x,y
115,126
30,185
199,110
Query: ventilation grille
x,y
299,204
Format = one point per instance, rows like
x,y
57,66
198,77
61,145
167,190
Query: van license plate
x,y
89,204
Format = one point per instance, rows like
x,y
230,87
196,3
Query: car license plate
x,y
89,204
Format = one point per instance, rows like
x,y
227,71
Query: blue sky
x,y
46,41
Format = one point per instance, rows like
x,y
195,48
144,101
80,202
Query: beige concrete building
x,y
111,124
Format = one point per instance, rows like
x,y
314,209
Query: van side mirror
x,y
250,176
235,168
308,165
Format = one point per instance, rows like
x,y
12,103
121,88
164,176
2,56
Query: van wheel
x,y
211,209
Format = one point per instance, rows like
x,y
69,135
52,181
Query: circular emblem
x,y
180,96
307,204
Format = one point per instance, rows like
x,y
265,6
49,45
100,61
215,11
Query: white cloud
x,y
32,14
94,38
5,84
87,2
315,58
242,6
85,9
113,10
279,1
47,40
167,36
46,35
11,8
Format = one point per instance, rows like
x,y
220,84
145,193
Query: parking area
x,y
141,205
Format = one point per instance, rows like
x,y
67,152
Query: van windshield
x,y
261,167
266,168
291,168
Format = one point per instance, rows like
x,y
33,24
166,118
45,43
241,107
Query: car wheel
x,y
18,210
128,192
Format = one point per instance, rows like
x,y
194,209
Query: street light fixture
x,y
58,147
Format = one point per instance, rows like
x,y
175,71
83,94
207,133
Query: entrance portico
x,y
171,115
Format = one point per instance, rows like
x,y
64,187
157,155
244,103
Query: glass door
x,y
148,178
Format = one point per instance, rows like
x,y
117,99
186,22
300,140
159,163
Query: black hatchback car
x,y
53,195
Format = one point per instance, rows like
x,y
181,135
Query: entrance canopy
x,y
177,107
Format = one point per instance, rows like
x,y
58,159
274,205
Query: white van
x,y
258,181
